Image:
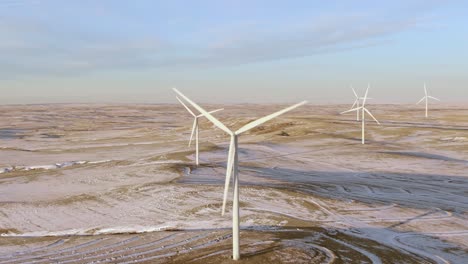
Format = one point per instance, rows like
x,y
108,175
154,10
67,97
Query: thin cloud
x,y
30,47
343,34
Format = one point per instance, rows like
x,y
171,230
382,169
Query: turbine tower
x,y
363,117
195,128
233,163
426,97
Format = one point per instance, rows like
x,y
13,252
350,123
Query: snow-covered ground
x,y
117,183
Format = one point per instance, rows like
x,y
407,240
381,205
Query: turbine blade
x,y
267,118
355,102
425,90
367,111
193,131
217,110
351,110
186,107
355,94
215,121
365,96
421,100
433,98
229,168
211,112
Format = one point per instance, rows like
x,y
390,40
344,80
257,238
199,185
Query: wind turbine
x,y
426,97
363,117
195,128
233,163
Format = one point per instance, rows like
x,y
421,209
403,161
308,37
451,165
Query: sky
x,y
112,51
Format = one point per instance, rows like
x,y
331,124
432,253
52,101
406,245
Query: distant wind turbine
x,y
195,128
233,163
363,110
426,97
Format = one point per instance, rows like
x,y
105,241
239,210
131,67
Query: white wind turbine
x,y
426,97
363,117
233,163
195,128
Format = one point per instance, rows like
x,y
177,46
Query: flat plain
x,y
117,184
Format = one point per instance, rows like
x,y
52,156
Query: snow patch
x,y
50,167
455,139
93,231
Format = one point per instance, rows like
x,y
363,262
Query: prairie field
x,y
117,183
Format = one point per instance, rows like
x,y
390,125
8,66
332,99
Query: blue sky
x,y
231,51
